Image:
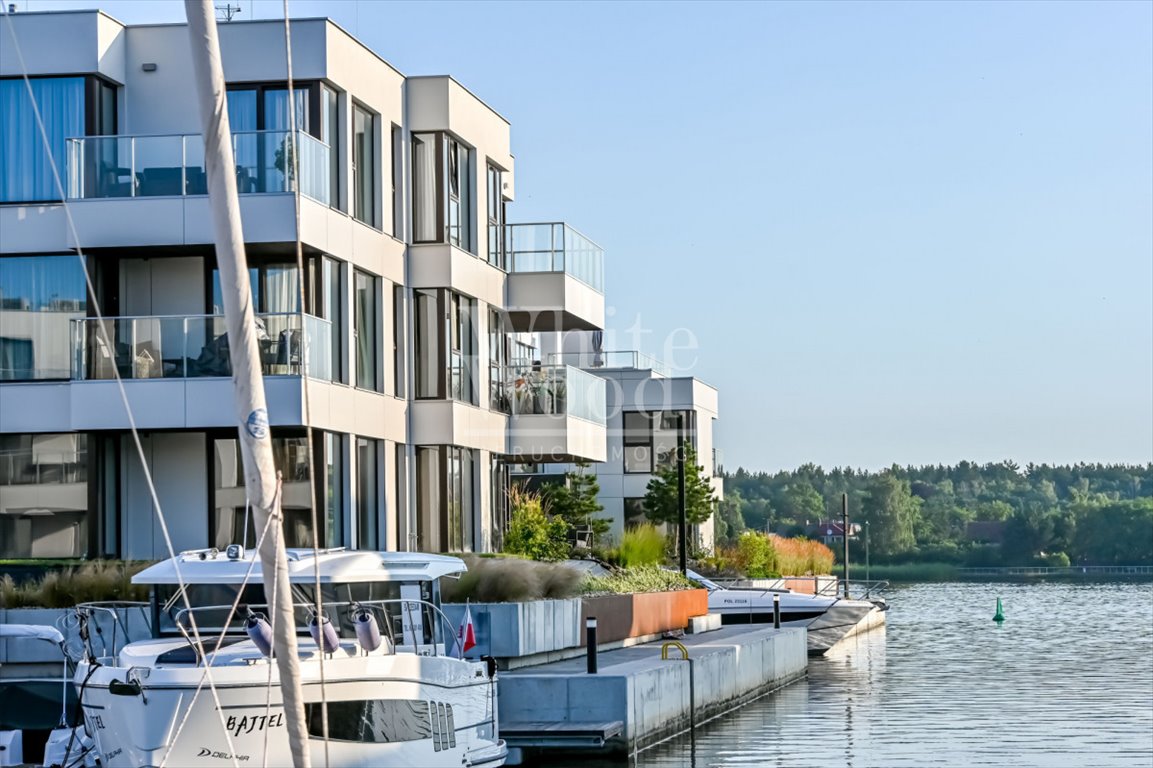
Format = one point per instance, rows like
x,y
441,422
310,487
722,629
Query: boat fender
x,y
117,688
259,632
489,666
321,628
367,631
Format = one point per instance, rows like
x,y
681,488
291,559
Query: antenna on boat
x,y
252,412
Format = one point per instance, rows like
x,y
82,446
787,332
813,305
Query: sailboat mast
x,y
251,409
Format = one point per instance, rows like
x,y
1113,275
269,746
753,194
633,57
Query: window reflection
x,y
40,296
43,495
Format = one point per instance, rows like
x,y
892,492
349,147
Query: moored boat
x,y
396,691
827,618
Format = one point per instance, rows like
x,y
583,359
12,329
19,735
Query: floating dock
x,y
645,693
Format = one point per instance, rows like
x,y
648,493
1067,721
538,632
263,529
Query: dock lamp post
x,y
682,522
866,550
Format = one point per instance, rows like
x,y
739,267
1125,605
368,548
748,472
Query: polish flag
x,y
465,634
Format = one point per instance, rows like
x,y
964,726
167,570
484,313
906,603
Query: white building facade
x,y
402,351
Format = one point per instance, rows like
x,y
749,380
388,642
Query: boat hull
x,y
827,619
399,710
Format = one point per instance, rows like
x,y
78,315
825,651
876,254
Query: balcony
x,y
611,360
558,414
101,167
555,279
189,347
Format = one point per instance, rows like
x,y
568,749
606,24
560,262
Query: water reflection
x,y
1066,681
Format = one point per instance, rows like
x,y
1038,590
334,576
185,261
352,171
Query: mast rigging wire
x,y
103,335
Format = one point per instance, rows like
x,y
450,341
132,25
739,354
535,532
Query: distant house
x,y
985,531
829,532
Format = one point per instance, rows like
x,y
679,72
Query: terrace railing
x,y
554,247
173,165
196,346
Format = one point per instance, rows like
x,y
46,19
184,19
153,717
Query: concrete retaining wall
x,y
650,695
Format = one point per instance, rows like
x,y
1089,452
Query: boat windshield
x,y
386,600
708,584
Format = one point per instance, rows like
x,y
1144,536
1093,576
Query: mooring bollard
x,y
776,611
591,643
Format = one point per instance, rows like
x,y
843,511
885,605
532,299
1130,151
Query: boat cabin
x,y
401,590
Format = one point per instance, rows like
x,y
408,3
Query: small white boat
x,y
827,619
396,693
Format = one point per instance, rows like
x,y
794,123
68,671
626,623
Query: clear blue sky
x,y
899,232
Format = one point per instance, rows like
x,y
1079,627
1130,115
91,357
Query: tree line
x,y
995,514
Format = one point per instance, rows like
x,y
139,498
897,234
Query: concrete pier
x,y
646,697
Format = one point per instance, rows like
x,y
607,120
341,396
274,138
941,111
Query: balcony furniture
x,y
161,181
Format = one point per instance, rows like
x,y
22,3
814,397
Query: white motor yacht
x,y
396,692
827,618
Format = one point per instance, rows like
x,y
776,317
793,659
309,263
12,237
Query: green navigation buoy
x,y
999,616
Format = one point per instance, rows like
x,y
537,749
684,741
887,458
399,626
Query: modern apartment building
x,y
647,406
404,353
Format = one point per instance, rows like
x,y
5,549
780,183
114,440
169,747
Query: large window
x,y
446,345
397,175
650,439
366,321
398,325
364,165
446,498
43,495
495,204
275,291
368,474
462,346
298,494
443,191
261,117
70,107
40,296
498,352
330,135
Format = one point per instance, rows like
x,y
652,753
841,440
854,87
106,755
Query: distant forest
x,y
968,514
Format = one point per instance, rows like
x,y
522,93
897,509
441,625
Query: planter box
x,y
620,617
512,630
509,630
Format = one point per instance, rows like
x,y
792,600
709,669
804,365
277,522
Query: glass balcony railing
x,y
611,359
196,346
556,390
555,247
173,165
718,462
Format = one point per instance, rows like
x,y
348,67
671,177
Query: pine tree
x,y
575,501
660,502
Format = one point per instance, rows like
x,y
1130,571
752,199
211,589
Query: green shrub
x,y
642,545
755,556
532,532
510,579
1056,560
645,578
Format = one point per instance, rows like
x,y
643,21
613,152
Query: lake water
x,y
1067,680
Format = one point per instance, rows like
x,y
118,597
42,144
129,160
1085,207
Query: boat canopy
x,y
336,566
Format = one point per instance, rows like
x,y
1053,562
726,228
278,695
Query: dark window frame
x,y
95,88
370,207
